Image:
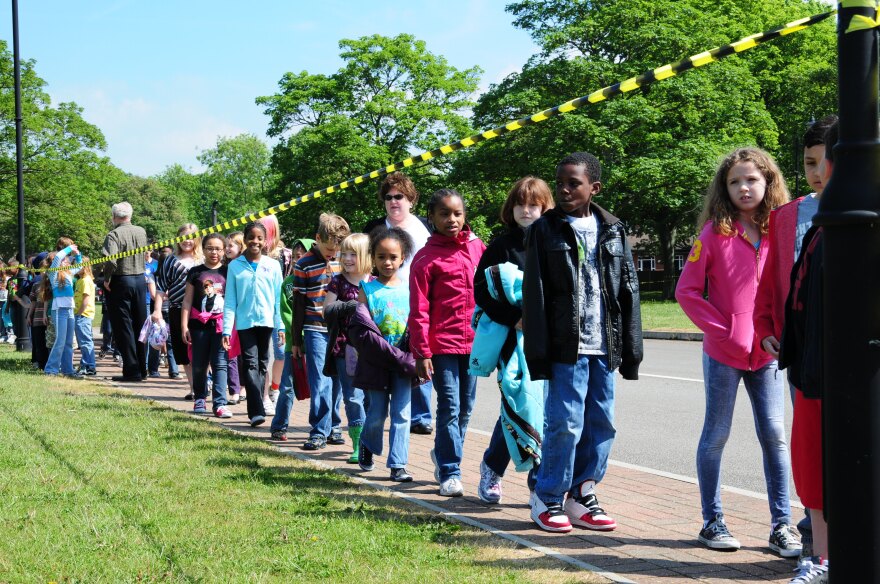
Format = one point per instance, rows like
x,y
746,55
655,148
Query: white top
x,y
419,233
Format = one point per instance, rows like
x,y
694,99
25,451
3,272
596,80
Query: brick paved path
x,y
658,516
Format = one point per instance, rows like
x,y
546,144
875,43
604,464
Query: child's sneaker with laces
x,y
811,570
273,395
549,516
279,435
365,458
268,407
489,490
784,542
451,487
583,510
716,536
200,406
223,412
399,475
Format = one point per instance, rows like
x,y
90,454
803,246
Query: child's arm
x,y
276,286
184,312
632,349
299,312
230,303
690,288
419,322
765,302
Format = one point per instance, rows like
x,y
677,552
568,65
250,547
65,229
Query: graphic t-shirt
x,y
389,307
209,286
592,334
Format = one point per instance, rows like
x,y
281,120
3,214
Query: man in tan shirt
x,y
126,292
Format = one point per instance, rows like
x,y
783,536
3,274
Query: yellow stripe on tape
x,y
702,58
629,85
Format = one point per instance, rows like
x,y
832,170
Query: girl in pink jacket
x,y
730,254
441,287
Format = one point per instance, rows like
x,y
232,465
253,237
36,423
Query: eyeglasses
x,y
214,249
394,197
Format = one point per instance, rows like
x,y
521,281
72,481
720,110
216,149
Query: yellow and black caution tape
x,y
860,21
658,74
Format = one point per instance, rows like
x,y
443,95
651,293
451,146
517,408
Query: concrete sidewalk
x,y
658,514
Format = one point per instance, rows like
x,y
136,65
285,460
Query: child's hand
x,y
424,369
224,340
187,338
771,345
281,337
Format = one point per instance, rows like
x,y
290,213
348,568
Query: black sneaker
x,y
335,438
315,442
783,541
421,428
399,475
716,536
365,458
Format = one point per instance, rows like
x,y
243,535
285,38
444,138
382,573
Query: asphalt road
x,y
659,417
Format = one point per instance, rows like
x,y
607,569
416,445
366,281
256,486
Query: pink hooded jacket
x,y
733,269
441,295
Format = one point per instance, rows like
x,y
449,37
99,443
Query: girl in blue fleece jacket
x,y
61,356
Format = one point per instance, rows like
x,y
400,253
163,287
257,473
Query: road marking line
x,y
671,377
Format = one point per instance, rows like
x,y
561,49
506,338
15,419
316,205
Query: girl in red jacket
x,y
441,285
730,254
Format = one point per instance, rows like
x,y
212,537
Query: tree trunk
x,y
667,236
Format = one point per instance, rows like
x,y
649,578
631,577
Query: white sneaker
x,y
223,412
451,488
269,407
489,490
548,516
273,395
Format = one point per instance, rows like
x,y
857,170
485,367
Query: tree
x,y
157,209
659,145
390,98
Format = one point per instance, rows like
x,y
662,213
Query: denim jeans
x,y
83,331
578,426
421,403
456,390
766,391
207,349
326,391
352,397
61,355
285,397
398,402
497,456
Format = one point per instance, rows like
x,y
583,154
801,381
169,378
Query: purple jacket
x,y
377,359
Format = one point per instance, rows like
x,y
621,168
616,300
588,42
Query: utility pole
x,y
23,335
850,217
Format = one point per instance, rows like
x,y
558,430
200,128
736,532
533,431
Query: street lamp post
x,y
23,337
850,216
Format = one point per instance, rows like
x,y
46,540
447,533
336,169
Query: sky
x,y
163,80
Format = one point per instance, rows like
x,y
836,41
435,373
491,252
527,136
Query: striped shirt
x,y
171,279
311,276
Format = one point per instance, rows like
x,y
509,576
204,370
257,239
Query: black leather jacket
x,y
551,290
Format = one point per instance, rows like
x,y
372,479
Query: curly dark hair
x,y
396,233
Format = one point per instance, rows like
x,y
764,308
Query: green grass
x,y
664,315
101,486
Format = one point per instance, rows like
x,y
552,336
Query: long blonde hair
x,y
197,253
720,210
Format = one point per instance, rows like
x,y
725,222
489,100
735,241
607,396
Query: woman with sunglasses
x,y
399,195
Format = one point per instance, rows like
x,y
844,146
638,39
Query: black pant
x,y
39,350
128,297
255,343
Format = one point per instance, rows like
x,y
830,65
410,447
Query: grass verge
x,y
665,315
102,486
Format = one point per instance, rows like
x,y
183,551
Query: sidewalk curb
x,y
672,335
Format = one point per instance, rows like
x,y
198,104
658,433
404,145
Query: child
x,y
730,254
529,198
802,353
312,273
301,247
385,368
37,315
61,281
275,249
234,247
253,293
441,283
354,256
581,321
84,301
201,324
788,224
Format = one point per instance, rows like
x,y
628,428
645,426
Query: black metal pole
x,y
23,338
850,216
214,214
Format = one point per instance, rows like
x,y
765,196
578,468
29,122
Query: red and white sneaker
x,y
584,511
549,516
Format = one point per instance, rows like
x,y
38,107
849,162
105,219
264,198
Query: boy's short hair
x,y
830,139
588,161
332,228
815,134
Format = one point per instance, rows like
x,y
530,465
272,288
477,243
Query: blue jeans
x,y
766,391
61,356
578,426
207,349
456,390
352,397
83,331
398,402
497,456
285,397
326,391
421,403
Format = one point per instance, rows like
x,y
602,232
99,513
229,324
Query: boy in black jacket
x,y
581,321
